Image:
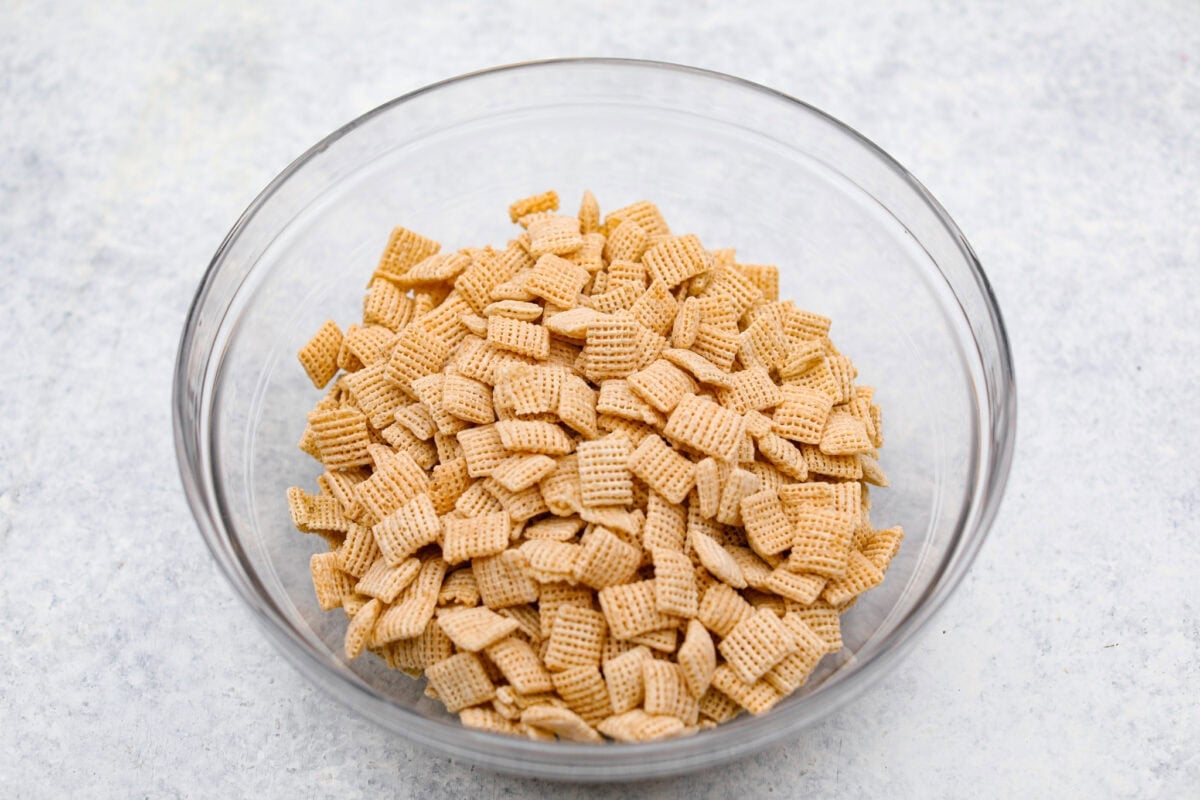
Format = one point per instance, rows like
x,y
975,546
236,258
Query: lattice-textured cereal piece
x,y
534,389
474,537
790,674
623,676
467,399
483,449
605,559
584,691
477,501
459,589
416,419
572,323
762,343
434,269
407,529
740,484
404,249
722,608
666,524
717,344
564,723
800,588
662,640
800,359
341,437
655,308
521,506
677,258
710,477
387,304
557,595
716,560
825,620
561,489
686,324
631,609
847,468
764,276
339,484
696,659
786,457
414,654
675,583
554,529
523,338
817,377
589,213
802,415
521,472
520,665
554,233
661,385
611,348
757,698
501,583
736,290
461,681
450,480
414,609
820,543
752,389
618,399
590,254
756,644
319,355
396,480
636,725
486,719
416,353
844,435
576,639
803,325
359,630
705,426
844,373
650,346
474,629
768,529
621,273
556,280
385,581
860,575
528,624
534,204
625,242
666,691
698,367
311,513
644,213
882,545
329,582
358,551
526,436
401,440
604,473
577,405
548,561
662,468
717,707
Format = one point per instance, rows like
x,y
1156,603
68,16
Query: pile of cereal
x,y
600,483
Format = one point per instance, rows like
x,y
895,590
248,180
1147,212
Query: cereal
x,y
648,474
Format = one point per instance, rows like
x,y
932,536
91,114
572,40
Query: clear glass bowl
x,y
855,236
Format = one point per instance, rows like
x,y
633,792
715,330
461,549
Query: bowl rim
x,y
1001,408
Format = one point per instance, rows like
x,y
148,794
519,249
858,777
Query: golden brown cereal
x,y
626,242
546,201
847,468
663,469
407,529
475,628
718,707
470,538
387,304
576,639
705,426
584,691
661,640
548,561
604,473
486,719
502,584
358,551
665,526
697,658
844,435
461,681
459,589
522,471
414,608
722,608
768,529
662,385
385,581
555,234
716,560
636,725
802,415
699,367
434,269
359,630
467,399
611,347
404,249
740,484
631,609
340,436
523,338
801,588
677,258
674,583
563,722
618,399
529,436
520,665
859,576
623,676
319,356
756,644
786,457
330,582
757,698
605,559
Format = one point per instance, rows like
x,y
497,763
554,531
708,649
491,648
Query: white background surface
x,y
1065,142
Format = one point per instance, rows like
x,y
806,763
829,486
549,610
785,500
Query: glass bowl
x,y
855,236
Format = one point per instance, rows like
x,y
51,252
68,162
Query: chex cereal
x,y
600,483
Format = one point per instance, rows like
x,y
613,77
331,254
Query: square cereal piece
x,y
717,707
577,406
476,501
604,473
662,640
396,480
501,583
548,561
483,449
710,479
655,308
784,455
534,389
482,718
584,691
697,658
860,575
385,582
666,691
631,609
699,367
847,468
638,726
625,242
416,419
523,338
820,543
675,583
738,291
768,529
605,559
461,681
717,560
882,545
589,213
465,539
764,276
520,472
757,698
527,436
752,390
844,435
722,608
611,347
467,399
791,673
473,629
661,385
459,589
797,587
818,377
414,608
623,676
407,529
417,353
741,484
433,270
576,639
844,373
319,355
329,582
556,280
387,304
677,258
662,468
666,524
702,425
521,506
534,204
341,437
562,722
520,665
554,233
450,481
717,344
762,343
404,249
802,415
617,398
644,213
554,529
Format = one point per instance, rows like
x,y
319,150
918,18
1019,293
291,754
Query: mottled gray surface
x,y
1066,143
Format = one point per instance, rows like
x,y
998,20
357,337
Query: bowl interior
x,y
780,183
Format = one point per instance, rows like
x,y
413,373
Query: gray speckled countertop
x,y
1065,142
